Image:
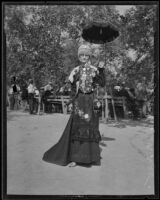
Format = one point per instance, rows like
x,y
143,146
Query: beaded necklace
x,y
86,78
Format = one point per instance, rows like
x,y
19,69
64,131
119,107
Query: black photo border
x,y
4,195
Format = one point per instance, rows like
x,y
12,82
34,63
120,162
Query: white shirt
x,y
36,92
47,88
31,88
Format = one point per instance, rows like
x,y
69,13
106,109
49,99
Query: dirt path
x,y
126,168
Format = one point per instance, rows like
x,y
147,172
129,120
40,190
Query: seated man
x,y
132,103
116,91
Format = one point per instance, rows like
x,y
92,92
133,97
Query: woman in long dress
x,y
79,143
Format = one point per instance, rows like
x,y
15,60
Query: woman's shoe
x,y
72,164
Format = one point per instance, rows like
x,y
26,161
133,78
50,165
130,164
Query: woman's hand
x,y
101,65
73,72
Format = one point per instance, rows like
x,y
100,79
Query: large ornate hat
x,y
84,49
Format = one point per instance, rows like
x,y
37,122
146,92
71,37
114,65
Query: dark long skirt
x,y
80,140
85,152
59,153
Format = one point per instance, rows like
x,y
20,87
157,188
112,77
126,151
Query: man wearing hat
x,y
13,93
31,91
47,92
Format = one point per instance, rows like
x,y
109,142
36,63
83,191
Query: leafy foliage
x,y
42,42
138,33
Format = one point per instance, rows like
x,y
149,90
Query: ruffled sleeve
x,y
73,80
73,74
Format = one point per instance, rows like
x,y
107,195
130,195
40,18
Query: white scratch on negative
x,y
146,180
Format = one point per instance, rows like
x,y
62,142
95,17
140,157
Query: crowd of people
x,y
28,97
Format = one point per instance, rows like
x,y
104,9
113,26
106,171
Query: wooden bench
x,y
115,102
106,102
62,100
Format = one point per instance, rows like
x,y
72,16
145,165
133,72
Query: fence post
x,y
124,107
103,112
64,110
106,107
39,104
113,105
43,107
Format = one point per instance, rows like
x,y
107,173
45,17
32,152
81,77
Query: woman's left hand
x,y
101,65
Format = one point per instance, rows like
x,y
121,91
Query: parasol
x,y
100,33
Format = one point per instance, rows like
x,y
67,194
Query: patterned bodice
x,y
86,75
84,79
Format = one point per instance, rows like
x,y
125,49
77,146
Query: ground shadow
x,y
84,165
123,123
90,164
105,139
103,144
12,115
142,123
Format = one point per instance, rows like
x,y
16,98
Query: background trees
x,y
42,42
138,34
